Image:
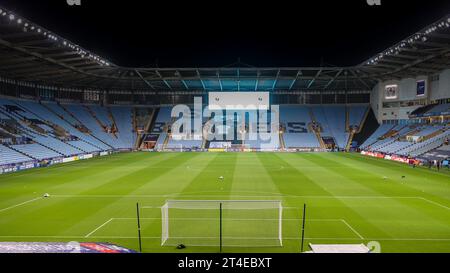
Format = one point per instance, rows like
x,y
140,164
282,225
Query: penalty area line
x,y
21,204
249,196
235,219
352,229
99,227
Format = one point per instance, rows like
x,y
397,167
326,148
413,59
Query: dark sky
x,y
217,33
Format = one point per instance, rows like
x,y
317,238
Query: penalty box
x,y
238,224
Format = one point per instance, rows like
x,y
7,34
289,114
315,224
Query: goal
x,y
228,223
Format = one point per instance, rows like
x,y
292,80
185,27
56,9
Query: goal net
x,y
232,223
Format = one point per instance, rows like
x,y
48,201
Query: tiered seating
x,y
60,111
382,130
47,145
175,144
321,118
88,120
101,114
332,121
185,144
36,151
290,113
440,153
440,108
428,130
425,146
46,127
47,141
124,122
255,142
84,146
305,141
356,115
9,156
335,116
437,134
164,115
292,139
43,112
402,131
57,145
394,147
2,116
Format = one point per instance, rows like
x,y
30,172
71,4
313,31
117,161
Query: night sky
x,y
146,33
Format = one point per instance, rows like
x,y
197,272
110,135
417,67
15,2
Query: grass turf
x,y
350,199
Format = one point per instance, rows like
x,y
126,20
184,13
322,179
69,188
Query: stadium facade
x,y
60,102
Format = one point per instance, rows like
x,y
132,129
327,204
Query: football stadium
x,y
99,157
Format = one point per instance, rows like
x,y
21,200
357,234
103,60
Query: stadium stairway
x,y
363,121
282,143
151,119
95,129
161,140
204,144
166,141
95,117
366,128
316,132
138,140
349,141
347,119
113,120
58,116
371,130
58,111
125,133
71,114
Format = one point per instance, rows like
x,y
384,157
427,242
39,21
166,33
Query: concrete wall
x,y
441,89
435,89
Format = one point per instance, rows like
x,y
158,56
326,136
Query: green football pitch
x,y
350,199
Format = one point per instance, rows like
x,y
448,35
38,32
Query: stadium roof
x,y
31,53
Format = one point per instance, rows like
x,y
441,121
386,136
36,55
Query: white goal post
x,y
232,223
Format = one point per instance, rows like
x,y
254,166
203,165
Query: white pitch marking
x,y
233,195
104,224
434,203
234,219
21,204
286,238
249,196
153,207
352,229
